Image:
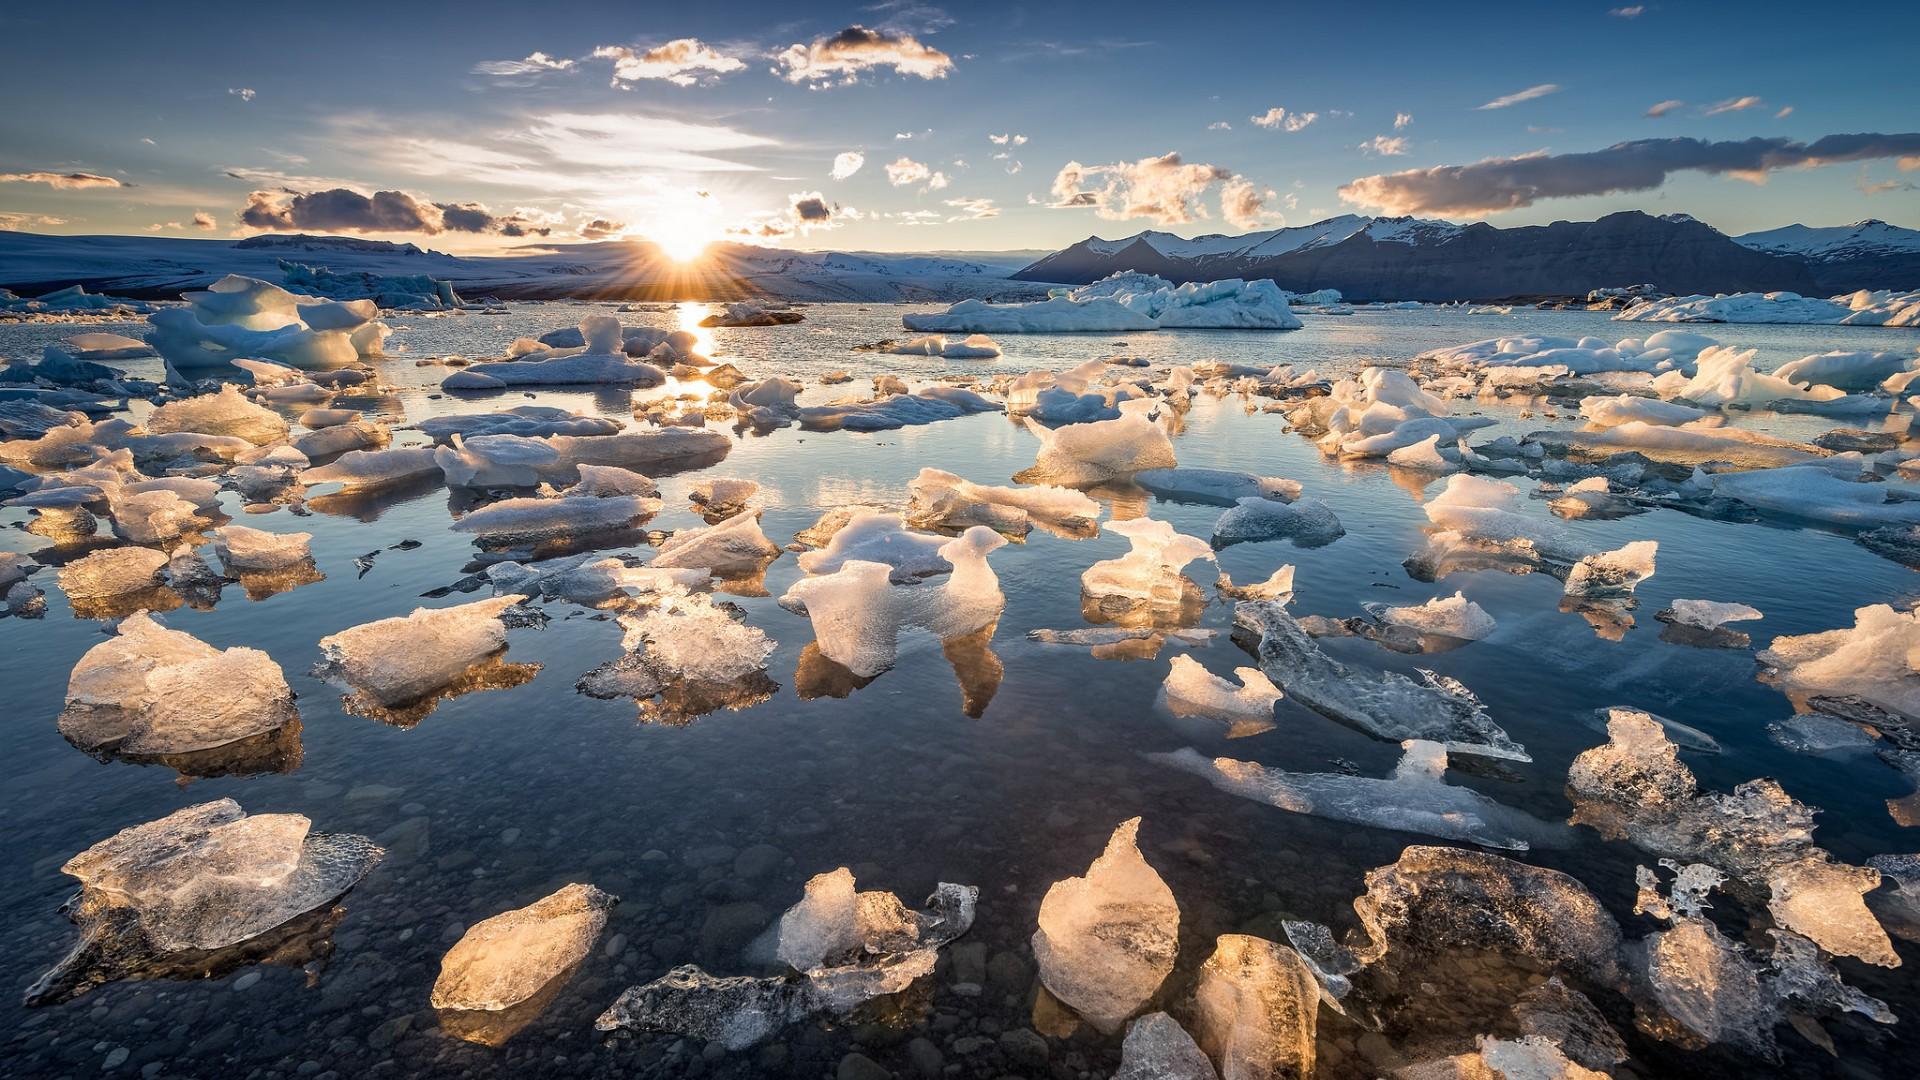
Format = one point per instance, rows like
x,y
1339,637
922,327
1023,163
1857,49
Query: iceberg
x,y
1107,941
1873,660
879,537
1606,412
495,461
227,412
374,468
1384,704
240,317
736,545
1255,1010
1146,583
858,613
504,960
527,421
404,659
1192,690
243,549
899,410
205,878
1885,307
1122,302
1849,371
942,500
1220,487
1443,616
722,497
974,347
1307,522
525,521
104,582
752,313
691,653
1278,586
1084,454
603,362
1814,494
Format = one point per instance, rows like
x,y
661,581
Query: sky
x,y
484,126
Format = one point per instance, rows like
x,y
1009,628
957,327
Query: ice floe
x,y
1255,1010
240,317
1146,584
942,500
1107,940
1124,301
858,612
1874,660
693,655
225,413
736,545
1247,708
1158,1048
504,960
1306,521
973,347
401,660
1884,307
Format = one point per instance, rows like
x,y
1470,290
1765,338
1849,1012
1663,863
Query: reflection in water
x,y
261,584
820,676
1610,619
493,1027
492,673
368,503
261,754
976,668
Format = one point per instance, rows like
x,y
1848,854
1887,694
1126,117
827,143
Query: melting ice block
x,y
401,660
1148,575
1121,302
734,545
1307,522
241,317
1530,1057
241,548
603,481
150,517
1192,690
858,612
942,500
1093,453
495,460
225,413
530,520
722,496
1255,1010
374,468
1384,704
1107,940
1443,616
1222,487
882,538
1874,659
691,652
112,572
1708,614
504,960
1158,1048
151,691
1415,799
200,879
1278,586
529,421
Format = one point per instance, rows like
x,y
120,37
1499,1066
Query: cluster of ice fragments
x,y
1121,302
1867,307
603,356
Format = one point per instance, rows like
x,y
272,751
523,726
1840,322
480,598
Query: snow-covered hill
x,y
1867,254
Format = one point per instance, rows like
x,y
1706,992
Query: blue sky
x,y
135,118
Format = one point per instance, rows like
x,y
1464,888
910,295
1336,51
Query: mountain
x,y
1868,254
157,267
1414,259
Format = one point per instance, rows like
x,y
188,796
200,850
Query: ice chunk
x,y
1255,1010
316,419
225,413
691,653
1433,900
883,538
1884,307
1530,1057
374,468
527,421
1620,409
1221,487
1612,574
722,497
943,500
1107,940
1192,690
103,577
150,517
519,521
900,410
1307,522
1158,1048
974,347
1426,455
1082,454
1821,901
151,691
1278,586
1638,766
1815,494
752,313
200,879
660,450
107,346
504,960
401,660
1414,799
1707,614
1121,302
239,317
601,361
1443,616
241,548
735,545
496,461
735,1012
1384,704
858,614
1848,370
605,481
1147,580
340,438
1874,660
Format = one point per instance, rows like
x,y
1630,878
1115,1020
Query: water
x,y
708,830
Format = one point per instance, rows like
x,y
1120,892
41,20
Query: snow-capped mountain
x,y
1416,259
154,267
1867,254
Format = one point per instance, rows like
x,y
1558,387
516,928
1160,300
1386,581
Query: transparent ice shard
x,y
1107,940
1158,1048
225,413
401,660
1255,1010
504,960
1146,584
735,545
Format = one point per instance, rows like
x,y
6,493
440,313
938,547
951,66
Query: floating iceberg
x,y
1108,940
691,653
495,460
1443,616
1255,1009
942,500
1082,454
401,660
1220,487
1146,583
1122,302
1814,494
242,549
225,413
1192,690
103,581
374,468
198,880
879,537
1849,371
1606,412
858,613
1278,586
736,545
722,497
504,960
1873,660
752,313
1414,799
1307,522
1560,356
340,438
603,361
974,347
661,450
529,421
929,406
525,521
240,317
1884,307
1384,704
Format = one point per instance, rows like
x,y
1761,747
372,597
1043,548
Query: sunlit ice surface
x,y
708,829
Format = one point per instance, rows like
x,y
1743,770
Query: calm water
x,y
708,831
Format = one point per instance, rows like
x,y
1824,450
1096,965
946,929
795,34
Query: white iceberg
x,y
1307,522
1122,302
1885,307
1192,690
404,659
242,549
225,413
858,613
1082,454
973,347
942,500
734,545
240,317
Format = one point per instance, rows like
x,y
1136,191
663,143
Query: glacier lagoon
x,y
1002,763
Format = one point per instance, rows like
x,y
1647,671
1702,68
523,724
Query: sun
x,y
684,240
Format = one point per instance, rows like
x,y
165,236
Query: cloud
x,y
806,211
973,209
1517,97
204,220
244,93
1385,145
1662,108
1164,189
907,171
810,206
346,210
1870,188
72,181
14,219
1785,111
1007,140
1402,120
1641,165
1219,125
601,229
1633,12
840,59
845,165
1739,104
1278,117
537,63
682,62
1242,204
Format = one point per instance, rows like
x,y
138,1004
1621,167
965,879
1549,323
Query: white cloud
x,y
1785,111
1243,205
906,172
244,93
1385,145
14,219
1165,189
1277,117
1519,96
1219,125
535,64
1738,104
72,181
973,209
682,62
846,164
1633,12
1007,140
1402,120
840,60
148,141
1662,108
204,220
